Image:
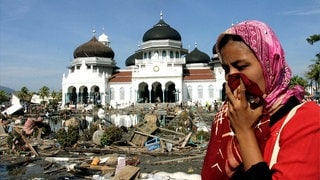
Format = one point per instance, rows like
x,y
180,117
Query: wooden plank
x,y
168,130
2,131
168,140
54,170
139,139
148,126
127,173
186,140
177,160
26,141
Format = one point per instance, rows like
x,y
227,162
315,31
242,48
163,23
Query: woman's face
x,y
237,57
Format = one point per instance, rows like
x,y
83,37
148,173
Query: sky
x,y
38,37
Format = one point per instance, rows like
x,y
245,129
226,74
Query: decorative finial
x,y
94,32
195,44
161,15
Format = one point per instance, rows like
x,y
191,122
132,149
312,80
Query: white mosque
x,y
160,71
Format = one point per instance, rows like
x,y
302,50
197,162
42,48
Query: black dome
x,y
93,48
131,59
197,56
161,31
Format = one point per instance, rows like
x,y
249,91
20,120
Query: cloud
x,y
304,12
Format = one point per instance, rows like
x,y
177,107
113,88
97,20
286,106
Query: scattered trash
x,y
93,146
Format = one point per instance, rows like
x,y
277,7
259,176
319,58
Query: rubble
x,y
100,150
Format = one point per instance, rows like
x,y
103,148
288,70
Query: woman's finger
x,y
229,94
242,93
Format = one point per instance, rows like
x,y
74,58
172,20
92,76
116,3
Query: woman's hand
x,y
243,120
241,116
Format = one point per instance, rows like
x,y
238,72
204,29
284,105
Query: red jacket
x,y
299,155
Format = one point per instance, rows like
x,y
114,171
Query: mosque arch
x,y
164,53
83,95
95,94
177,54
72,95
170,94
171,54
156,92
143,93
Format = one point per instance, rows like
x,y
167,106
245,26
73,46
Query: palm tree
x,y
4,96
314,69
314,38
314,73
24,95
44,92
297,80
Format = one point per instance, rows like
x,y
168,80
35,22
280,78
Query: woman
x,y
263,131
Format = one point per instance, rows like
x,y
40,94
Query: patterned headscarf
x,y
267,48
223,156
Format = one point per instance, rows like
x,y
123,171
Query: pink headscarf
x,y
223,156
267,48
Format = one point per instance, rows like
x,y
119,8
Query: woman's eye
x,y
240,68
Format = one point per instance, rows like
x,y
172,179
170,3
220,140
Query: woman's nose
x,y
233,70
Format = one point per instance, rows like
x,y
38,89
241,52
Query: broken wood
x,y
149,125
177,160
48,165
26,141
168,140
54,170
127,173
168,130
186,140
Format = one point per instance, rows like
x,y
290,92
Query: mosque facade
x,y
160,71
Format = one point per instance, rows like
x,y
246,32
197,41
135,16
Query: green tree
x,y
24,94
4,96
56,97
44,92
314,38
59,95
314,73
297,80
314,69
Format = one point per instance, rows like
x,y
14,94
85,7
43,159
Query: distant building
x,y
161,70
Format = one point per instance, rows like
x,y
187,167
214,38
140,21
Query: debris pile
x,y
100,149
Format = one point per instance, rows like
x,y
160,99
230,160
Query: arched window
x,y
121,93
177,54
164,53
171,54
144,55
210,89
149,55
200,92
